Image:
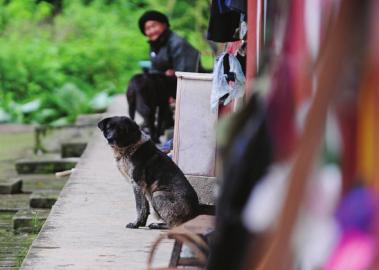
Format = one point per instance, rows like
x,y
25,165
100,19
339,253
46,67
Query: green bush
x,y
89,47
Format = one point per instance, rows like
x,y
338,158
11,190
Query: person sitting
x,y
168,51
154,89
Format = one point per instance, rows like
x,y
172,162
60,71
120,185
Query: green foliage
x,y
59,63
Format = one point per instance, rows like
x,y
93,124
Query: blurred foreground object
x,y
289,201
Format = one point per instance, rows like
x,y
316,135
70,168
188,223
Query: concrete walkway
x,y
86,227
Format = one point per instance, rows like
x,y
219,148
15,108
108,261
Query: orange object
x,y
366,129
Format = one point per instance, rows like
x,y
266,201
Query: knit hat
x,y
152,15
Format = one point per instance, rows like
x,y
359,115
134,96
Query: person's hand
x,y
170,72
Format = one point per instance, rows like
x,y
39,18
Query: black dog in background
x,y
149,94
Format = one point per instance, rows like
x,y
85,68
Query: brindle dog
x,y
154,176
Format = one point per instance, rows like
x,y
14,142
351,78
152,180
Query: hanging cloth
x,y
228,80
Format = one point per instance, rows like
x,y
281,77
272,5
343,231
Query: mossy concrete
x,y
6,220
49,139
11,186
74,148
14,202
43,199
34,182
17,141
16,145
13,147
29,220
13,247
44,165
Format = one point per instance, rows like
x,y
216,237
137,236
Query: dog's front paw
x,y
132,225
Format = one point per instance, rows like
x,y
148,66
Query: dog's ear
x,y
133,124
101,125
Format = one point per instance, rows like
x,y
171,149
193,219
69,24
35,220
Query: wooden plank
x,y
175,255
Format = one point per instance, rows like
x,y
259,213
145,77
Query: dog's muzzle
x,y
110,136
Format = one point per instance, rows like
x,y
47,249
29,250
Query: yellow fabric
x,y
367,108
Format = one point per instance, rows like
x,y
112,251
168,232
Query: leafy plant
x,y
84,48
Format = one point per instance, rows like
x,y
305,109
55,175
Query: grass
x,y
36,224
24,248
13,247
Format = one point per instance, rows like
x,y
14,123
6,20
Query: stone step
x,y
5,226
29,220
43,199
11,186
34,182
73,148
49,139
6,265
45,164
14,202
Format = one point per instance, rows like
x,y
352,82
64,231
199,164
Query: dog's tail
x,y
131,98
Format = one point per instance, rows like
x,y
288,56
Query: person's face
x,y
153,29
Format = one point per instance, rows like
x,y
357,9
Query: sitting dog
x,y
147,93
154,176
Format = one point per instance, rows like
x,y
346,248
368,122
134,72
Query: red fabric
x,y
347,117
281,112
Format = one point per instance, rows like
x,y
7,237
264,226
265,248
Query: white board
x,y
194,136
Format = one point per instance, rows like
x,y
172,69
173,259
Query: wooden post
x,y
252,37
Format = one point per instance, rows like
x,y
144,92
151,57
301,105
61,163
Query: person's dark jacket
x,y
173,52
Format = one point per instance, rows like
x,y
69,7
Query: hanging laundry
x,y
228,80
238,48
